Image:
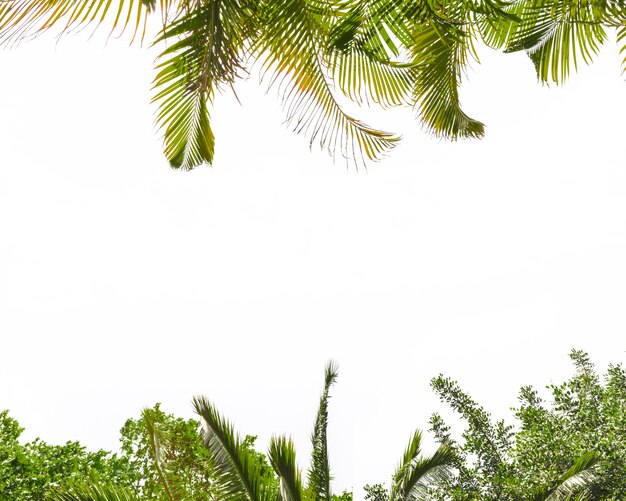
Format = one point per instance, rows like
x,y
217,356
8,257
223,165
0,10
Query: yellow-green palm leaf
x,y
557,34
23,19
207,51
291,47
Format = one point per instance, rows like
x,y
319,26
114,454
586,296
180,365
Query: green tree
x,y
389,52
157,450
240,473
158,438
29,471
575,445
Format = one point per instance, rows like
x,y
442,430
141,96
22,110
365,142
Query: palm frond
x,y
92,493
207,53
556,34
236,472
292,47
621,40
363,78
282,456
24,19
415,472
360,55
441,50
573,484
319,474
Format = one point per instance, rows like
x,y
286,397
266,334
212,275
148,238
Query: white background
x,y
124,283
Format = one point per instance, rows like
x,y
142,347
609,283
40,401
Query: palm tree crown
x,y
390,52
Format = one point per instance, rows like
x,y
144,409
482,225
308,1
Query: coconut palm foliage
x,y
239,478
315,53
238,473
415,473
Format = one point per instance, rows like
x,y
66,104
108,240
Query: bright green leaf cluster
x,y
574,446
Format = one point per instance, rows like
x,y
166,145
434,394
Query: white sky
x,y
124,283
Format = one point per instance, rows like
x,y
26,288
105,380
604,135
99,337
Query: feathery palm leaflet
x,y
237,474
319,474
415,472
292,49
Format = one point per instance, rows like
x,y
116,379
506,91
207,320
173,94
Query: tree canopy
x,y
318,53
576,437
571,446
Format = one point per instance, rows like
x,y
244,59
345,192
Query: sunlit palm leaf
x,y
360,55
415,473
23,19
207,51
556,34
621,40
282,456
237,474
441,51
319,474
292,49
363,78
436,38
93,493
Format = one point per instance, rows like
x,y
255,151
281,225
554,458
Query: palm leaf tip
x,y
293,52
206,50
26,19
236,471
282,456
331,372
415,473
319,474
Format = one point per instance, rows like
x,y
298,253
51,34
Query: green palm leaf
x,y
434,38
573,484
556,34
363,78
360,55
207,52
441,50
621,39
292,49
319,475
415,472
236,472
93,493
23,19
282,456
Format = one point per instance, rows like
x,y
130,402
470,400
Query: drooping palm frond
x,y
207,52
93,492
364,78
415,472
441,50
292,48
24,19
319,474
557,34
433,40
237,474
282,455
621,40
573,483
363,55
